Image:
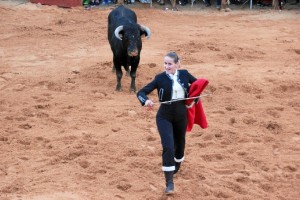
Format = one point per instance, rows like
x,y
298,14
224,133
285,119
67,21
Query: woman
x,y
171,118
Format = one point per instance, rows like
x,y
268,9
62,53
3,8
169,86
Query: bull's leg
x,y
133,75
113,68
119,74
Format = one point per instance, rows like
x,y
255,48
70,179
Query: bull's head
x,y
143,30
131,37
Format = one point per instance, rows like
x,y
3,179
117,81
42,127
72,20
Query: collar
x,y
171,76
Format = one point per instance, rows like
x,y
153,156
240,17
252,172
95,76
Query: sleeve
x,y
192,79
142,93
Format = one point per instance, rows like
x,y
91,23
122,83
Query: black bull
x,y
124,36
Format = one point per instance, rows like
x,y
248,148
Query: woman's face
x,y
170,65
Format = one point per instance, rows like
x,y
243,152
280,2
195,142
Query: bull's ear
x,y
145,31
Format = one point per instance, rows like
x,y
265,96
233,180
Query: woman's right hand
x,y
149,103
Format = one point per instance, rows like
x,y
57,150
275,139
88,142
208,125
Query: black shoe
x,y
207,4
169,188
169,182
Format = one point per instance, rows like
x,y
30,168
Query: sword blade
x,y
183,99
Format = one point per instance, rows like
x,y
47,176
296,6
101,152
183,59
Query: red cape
x,y
196,113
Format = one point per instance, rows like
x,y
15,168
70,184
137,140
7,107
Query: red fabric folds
x,y
196,114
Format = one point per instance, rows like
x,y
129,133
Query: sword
x,y
183,99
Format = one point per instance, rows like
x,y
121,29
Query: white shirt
x,y
178,91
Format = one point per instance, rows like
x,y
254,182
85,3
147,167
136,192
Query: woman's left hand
x,y
149,103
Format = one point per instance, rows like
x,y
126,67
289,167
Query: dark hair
x,y
174,56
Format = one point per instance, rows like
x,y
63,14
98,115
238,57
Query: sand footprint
x,y
213,157
274,127
297,51
4,78
108,63
229,169
94,169
236,188
294,104
44,98
267,188
243,179
124,185
3,139
250,89
222,194
249,120
84,164
25,126
3,82
274,112
99,94
151,138
42,107
119,196
290,169
287,88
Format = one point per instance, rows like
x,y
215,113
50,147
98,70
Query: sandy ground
x,y
66,134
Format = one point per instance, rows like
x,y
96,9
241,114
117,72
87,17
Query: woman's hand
x,y
149,103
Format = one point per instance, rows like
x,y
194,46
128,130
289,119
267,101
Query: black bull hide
x,y
124,36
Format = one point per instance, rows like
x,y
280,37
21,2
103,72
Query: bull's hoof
x,y
118,88
133,89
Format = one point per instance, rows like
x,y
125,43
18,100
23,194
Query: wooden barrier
x,y
60,3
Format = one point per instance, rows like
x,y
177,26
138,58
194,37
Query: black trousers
x,y
171,121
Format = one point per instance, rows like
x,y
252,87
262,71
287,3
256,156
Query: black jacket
x,y
164,83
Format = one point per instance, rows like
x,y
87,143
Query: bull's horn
x,y
117,32
147,30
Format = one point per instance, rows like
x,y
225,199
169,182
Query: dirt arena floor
x,y
66,134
